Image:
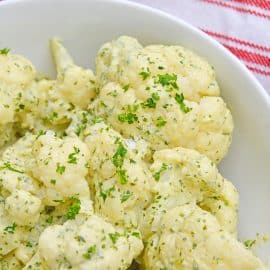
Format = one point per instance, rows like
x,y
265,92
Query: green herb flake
x,y
126,87
122,176
160,122
157,174
114,237
168,80
49,220
128,117
249,243
136,234
28,244
53,181
104,194
11,229
4,51
180,100
126,195
40,133
119,155
74,209
145,74
72,159
9,167
90,252
60,169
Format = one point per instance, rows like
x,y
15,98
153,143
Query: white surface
x,y
26,26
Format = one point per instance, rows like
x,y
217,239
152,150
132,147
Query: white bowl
x,y
26,26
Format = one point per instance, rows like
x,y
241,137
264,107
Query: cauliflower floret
x,y
10,262
126,62
165,120
88,243
120,179
181,170
61,165
190,238
23,207
76,85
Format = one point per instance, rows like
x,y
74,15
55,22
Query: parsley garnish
x,y
180,100
60,169
136,234
126,87
249,243
122,176
90,252
74,209
29,244
126,195
119,155
4,51
9,167
151,102
161,170
40,133
145,74
160,122
106,193
72,157
168,80
10,229
49,220
53,181
114,237
128,117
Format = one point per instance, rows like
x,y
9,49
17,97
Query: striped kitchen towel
x,y
242,26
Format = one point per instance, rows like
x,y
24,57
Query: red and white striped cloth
x,y
242,26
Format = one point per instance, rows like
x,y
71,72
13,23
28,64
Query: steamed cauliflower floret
x,y
16,73
76,85
23,207
190,238
52,103
61,165
88,243
125,61
165,120
121,180
184,170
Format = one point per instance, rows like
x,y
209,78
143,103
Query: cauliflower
x,y
60,164
182,170
23,207
87,243
191,238
165,120
16,73
126,62
10,262
120,179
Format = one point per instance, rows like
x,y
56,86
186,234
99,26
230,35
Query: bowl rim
x,y
261,91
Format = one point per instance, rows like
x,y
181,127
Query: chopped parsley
x,y
145,74
40,133
119,155
180,100
74,209
126,87
4,51
53,181
60,169
10,229
157,174
29,244
114,237
90,252
122,176
168,80
106,193
72,159
136,234
249,243
49,220
8,166
128,117
160,122
151,102
126,195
